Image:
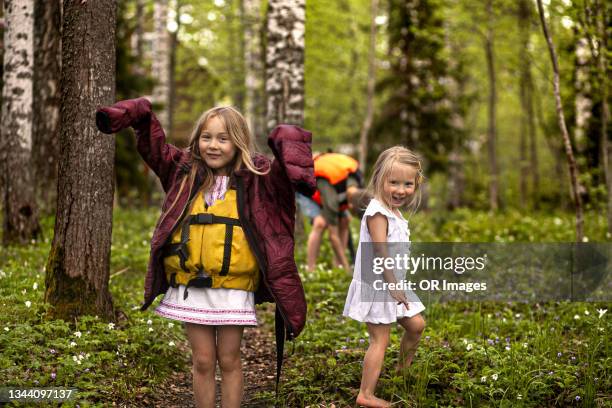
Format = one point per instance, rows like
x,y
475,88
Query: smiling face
x,y
400,185
216,146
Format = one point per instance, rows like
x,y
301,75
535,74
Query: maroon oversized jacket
x,y
266,204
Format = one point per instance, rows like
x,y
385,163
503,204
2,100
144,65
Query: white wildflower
x,y
170,325
35,285
149,321
6,329
77,334
72,344
494,377
23,292
601,312
28,303
171,344
586,312
525,345
483,379
150,329
111,326
520,396
469,347
576,317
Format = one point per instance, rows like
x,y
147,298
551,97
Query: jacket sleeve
x,y
293,162
163,158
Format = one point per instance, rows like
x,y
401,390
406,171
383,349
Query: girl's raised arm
x,y
163,158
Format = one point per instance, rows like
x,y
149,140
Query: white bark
x,y
285,62
18,71
20,218
253,59
161,61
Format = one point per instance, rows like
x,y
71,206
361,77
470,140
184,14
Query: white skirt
x,y
213,307
377,311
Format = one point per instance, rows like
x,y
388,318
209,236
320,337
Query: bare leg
x,y
372,365
413,327
228,355
337,246
314,241
202,339
343,231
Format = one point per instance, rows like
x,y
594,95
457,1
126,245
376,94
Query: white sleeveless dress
x,y
365,309
208,306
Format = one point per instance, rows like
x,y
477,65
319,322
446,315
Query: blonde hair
x,y
239,133
382,170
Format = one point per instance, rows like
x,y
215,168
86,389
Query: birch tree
x,y
253,59
20,218
77,271
285,62
161,62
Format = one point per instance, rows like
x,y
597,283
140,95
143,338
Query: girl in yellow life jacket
x,y
210,268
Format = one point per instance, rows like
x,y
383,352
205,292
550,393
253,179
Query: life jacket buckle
x,y
202,218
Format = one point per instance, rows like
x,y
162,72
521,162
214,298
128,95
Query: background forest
x,y
515,140
436,65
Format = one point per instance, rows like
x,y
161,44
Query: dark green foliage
x,y
417,112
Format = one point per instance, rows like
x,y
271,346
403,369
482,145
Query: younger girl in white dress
x,y
395,185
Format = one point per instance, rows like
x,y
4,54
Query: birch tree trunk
x,y
367,122
161,62
560,117
77,270
20,217
285,62
46,104
174,44
492,113
253,59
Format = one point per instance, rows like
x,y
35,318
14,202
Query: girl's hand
x,y
400,297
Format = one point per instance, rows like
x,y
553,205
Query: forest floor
x,y
259,367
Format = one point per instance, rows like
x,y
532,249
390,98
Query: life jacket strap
x,y
202,280
180,249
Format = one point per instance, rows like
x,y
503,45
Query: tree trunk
x,y
602,68
236,52
161,62
367,122
285,62
528,135
492,127
46,105
139,30
560,117
174,44
19,202
77,270
253,59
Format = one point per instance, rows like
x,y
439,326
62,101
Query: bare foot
x,y
372,402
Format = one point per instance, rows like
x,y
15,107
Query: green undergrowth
x,y
487,354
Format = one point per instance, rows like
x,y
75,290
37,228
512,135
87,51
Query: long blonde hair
x,y
382,170
238,130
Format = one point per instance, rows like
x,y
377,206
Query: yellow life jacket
x,y
210,249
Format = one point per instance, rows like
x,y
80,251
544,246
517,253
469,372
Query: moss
x,y
71,297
